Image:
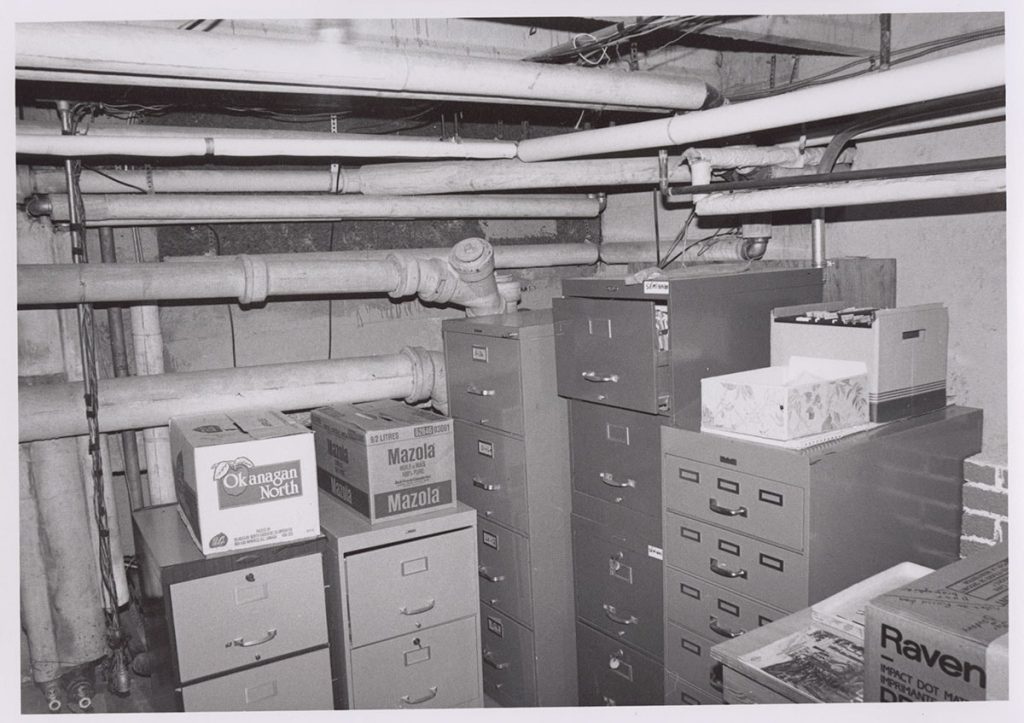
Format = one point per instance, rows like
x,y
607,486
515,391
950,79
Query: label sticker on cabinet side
x,y
655,287
655,552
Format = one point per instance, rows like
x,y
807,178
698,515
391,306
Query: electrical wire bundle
x,y
862,66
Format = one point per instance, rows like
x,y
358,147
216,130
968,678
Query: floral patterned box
x,y
808,396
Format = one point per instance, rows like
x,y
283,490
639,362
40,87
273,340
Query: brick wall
x,y
986,508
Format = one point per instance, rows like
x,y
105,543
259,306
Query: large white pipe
x,y
326,146
977,116
853,193
52,411
148,347
962,73
113,209
138,56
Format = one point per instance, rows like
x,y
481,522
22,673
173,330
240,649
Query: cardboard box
x,y
929,640
386,460
904,349
807,396
244,479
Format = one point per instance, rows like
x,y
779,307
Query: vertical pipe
x,y
149,359
885,42
818,237
115,321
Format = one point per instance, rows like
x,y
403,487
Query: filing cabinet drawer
x,y
611,673
755,506
411,585
508,659
615,456
679,692
436,667
299,683
237,618
619,591
489,390
490,473
710,609
688,655
504,571
606,352
741,564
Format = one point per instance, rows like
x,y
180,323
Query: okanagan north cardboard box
x,y
244,479
386,460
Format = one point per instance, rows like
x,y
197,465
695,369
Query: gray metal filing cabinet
x,y
235,632
754,532
630,358
402,609
512,466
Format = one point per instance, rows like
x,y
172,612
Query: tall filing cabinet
x,y
512,465
630,358
754,532
235,632
402,608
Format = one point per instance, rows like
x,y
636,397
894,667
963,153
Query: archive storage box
x,y
929,640
806,396
244,479
386,460
904,349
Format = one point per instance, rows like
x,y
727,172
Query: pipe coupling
x,y
257,279
407,271
437,282
422,365
472,259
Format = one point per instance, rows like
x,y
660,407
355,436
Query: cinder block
x,y
969,547
978,526
979,472
992,500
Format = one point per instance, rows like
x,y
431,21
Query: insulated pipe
x,y
625,252
102,210
952,75
518,256
57,410
912,127
466,279
326,145
853,193
148,344
170,180
136,56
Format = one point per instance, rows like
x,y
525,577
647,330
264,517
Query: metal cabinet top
x,y
525,324
719,279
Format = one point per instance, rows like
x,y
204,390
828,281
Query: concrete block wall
x,y
986,505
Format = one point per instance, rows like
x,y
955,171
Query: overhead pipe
x,y
978,116
140,209
466,279
952,75
853,193
141,56
321,145
53,411
726,249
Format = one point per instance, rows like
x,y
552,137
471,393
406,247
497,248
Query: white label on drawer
x,y
484,448
655,287
417,655
480,353
261,691
490,539
655,552
495,626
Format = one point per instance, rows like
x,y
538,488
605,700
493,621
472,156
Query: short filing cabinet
x,y
753,532
512,466
402,608
235,632
630,358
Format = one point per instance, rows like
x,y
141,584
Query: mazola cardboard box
x,y
929,640
245,479
386,460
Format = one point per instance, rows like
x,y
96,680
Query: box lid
x,y
246,425
378,415
969,598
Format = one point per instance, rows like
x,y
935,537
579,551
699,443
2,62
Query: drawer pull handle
x,y
488,577
479,392
725,632
727,511
612,614
422,699
477,482
595,377
720,569
417,611
609,479
243,643
489,659
608,701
